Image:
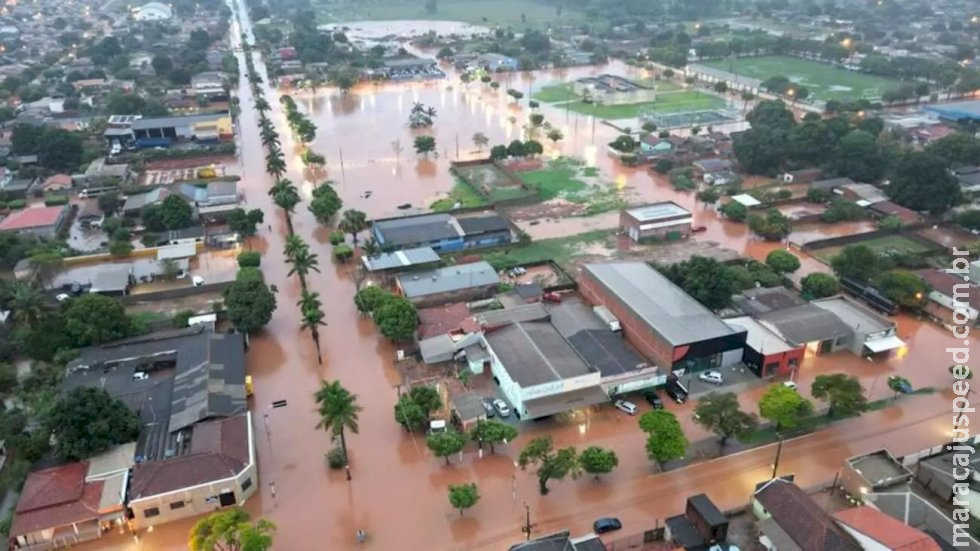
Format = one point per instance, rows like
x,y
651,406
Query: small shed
x,y
747,200
708,520
467,409
181,250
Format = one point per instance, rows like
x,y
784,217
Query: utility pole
x,y
527,521
779,451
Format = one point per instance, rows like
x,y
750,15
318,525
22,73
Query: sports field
x,y
890,244
490,13
824,81
667,102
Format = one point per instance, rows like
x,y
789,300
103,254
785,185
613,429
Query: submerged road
x,y
398,492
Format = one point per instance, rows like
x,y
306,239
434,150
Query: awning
x,y
566,401
887,343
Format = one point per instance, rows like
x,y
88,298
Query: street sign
x,y
279,404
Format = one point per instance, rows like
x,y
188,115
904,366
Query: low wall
x,y
176,293
108,257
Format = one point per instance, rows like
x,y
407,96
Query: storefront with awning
x,y
885,344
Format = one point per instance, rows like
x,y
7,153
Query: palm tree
x,y
294,246
46,262
353,222
25,302
302,263
275,165
338,411
371,247
261,105
309,305
285,195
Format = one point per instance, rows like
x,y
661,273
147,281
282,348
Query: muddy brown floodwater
x,y
398,492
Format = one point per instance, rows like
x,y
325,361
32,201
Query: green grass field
x,y
668,102
824,81
560,250
555,182
555,93
505,13
889,244
461,193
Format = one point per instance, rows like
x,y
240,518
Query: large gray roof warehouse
x,y
664,306
535,353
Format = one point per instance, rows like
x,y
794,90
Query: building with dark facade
x,y
658,318
442,232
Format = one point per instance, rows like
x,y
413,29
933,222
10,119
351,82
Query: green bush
x,y
55,200
181,318
17,204
337,237
663,166
336,459
343,252
249,259
249,274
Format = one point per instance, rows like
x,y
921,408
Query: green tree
x,y
414,408
249,259
891,222
302,263
339,411
95,319
969,219
446,443
492,432
480,140
498,152
231,530
774,226
370,297
721,414
537,119
843,393
533,148
783,262
665,437
733,210
26,302
858,156
858,262
819,285
245,223
551,464
709,196
463,496
841,210
250,304
108,202
784,406
425,145
961,148
343,79
811,143
922,181
312,318
596,461
88,421
703,278
904,288
353,222
555,135
515,149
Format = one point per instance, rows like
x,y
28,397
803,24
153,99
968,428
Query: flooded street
x,y
398,492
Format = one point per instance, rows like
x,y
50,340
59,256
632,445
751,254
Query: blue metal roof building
x,y
960,111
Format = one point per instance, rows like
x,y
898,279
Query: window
x,y
176,505
770,368
151,512
247,484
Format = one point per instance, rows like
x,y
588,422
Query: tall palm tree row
x,y
338,410
309,304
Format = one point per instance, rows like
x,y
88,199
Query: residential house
x,y
663,322
18,188
193,234
461,282
802,176
135,204
862,194
884,209
57,182
948,293
873,529
968,178
496,63
831,184
44,222
561,541
713,171
789,520
90,214
663,220
671,147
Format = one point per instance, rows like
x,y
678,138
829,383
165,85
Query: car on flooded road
x,y
607,524
712,377
626,407
487,404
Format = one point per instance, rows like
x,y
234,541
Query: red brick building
x,y
658,318
766,353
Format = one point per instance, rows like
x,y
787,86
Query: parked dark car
x,y
487,404
653,399
608,524
676,391
901,385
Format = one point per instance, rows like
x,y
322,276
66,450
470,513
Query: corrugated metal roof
x,y
665,307
400,259
444,280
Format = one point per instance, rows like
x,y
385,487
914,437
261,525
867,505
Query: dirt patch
x,y
556,208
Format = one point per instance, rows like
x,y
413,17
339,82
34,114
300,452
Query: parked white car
x,y
626,407
712,377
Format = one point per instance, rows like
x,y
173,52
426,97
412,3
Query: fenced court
x,y
825,81
889,244
491,181
686,118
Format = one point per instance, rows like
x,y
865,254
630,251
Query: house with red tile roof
x,y
876,530
945,290
41,221
57,508
58,182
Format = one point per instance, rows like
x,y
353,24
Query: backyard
x,y
490,13
890,244
825,81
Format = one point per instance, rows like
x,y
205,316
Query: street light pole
x,y
779,451
527,521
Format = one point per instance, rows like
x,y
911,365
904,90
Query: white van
x,y
626,407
